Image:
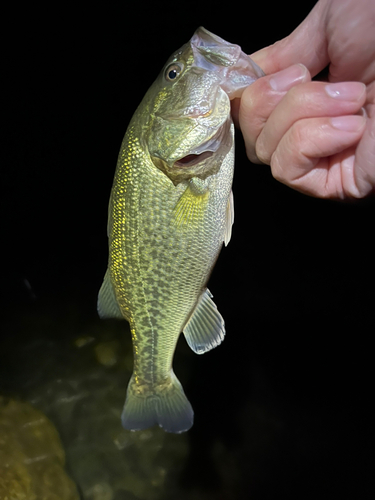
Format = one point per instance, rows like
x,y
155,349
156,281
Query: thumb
x,y
307,45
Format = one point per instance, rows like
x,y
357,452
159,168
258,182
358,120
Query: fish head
x,y
187,122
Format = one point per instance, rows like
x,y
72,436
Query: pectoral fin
x,y
190,208
229,219
107,303
205,327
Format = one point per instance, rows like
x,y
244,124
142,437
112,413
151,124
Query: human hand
x,y
318,137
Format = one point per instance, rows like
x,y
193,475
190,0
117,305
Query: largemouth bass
x,y
170,210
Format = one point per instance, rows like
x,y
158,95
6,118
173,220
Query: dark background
x,y
295,285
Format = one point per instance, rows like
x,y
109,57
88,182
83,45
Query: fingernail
x,y
351,123
287,78
346,91
362,112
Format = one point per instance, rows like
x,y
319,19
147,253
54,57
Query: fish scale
x,y
165,292
168,219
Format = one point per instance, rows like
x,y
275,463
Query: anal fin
x,y
205,328
107,303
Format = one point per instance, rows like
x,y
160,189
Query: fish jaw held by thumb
x,y
236,69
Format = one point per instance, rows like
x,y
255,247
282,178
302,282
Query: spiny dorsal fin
x,y
229,219
108,307
205,328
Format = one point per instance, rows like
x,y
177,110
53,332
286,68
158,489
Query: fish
x,y
170,211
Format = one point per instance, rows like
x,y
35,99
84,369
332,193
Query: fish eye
x,y
173,71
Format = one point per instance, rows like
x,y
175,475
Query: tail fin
x,y
165,405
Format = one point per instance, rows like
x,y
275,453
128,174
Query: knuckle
x,y
281,161
276,170
261,152
301,137
304,96
288,153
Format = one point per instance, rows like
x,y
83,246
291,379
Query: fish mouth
x,y
192,159
202,160
204,150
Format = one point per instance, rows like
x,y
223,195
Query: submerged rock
x,y
32,458
77,376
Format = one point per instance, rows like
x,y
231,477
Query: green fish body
x,y
171,209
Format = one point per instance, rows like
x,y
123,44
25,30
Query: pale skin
x,y
318,137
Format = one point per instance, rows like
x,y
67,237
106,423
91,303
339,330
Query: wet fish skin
x,y
170,211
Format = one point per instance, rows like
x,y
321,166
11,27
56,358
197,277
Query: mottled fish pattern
x,y
171,209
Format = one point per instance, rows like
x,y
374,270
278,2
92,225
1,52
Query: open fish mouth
x,y
193,159
201,160
204,150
